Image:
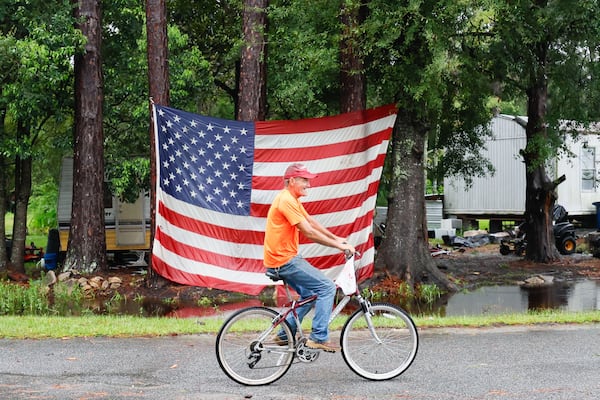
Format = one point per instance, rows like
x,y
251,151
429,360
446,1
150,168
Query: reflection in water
x,y
572,296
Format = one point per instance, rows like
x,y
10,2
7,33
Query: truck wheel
x,y
567,246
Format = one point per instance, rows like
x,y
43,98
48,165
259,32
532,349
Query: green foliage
x,y
23,300
212,31
428,293
128,177
420,55
42,208
303,59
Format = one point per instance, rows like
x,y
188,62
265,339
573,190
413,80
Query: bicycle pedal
x,y
304,353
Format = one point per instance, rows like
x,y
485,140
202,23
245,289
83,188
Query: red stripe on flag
x,y
324,123
308,153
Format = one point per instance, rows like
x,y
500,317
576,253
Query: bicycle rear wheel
x,y
386,354
244,357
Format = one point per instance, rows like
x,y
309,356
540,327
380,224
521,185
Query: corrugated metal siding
x,y
504,193
435,213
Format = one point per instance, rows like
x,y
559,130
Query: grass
x,y
41,327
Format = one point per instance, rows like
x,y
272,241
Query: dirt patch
x,y
486,266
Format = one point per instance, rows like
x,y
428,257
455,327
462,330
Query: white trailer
x,y
127,225
501,197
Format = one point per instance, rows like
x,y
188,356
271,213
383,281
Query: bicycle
x,y
379,341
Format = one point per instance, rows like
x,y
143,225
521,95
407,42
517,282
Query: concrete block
x,y
451,223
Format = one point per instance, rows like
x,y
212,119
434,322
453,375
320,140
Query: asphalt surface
x,y
538,362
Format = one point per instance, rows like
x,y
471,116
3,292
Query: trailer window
x,y
588,170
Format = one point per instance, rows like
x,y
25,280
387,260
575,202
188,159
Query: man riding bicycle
x,y
285,219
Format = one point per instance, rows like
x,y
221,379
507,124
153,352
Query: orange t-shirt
x,y
281,233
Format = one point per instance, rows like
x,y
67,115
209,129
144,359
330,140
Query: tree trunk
x,y
353,92
540,194
22,194
158,81
253,70
539,191
3,199
405,249
86,249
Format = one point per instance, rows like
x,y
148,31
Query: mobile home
x,y
501,197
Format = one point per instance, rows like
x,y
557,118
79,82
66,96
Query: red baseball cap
x,y
298,171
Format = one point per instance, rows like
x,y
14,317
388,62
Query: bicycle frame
x,y
293,305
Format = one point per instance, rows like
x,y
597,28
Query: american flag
x,y
216,179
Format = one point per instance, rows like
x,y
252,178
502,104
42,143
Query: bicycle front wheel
x,y
246,352
387,350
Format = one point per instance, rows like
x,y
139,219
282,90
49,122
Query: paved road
x,y
548,362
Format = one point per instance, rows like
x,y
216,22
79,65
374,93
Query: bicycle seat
x,y
273,277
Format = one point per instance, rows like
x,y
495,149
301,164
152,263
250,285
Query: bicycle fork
x,y
365,305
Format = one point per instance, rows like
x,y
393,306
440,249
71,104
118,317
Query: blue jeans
x,y
307,280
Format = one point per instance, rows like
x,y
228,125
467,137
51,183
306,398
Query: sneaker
x,y
279,341
325,346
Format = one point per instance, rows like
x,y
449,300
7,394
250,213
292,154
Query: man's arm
x,y
316,232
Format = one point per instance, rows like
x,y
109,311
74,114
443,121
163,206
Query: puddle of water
x,y
582,295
